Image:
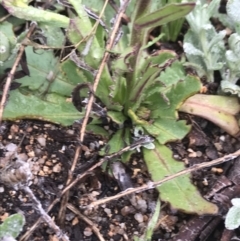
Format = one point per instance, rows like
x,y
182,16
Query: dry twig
x,y
166,179
65,198
88,221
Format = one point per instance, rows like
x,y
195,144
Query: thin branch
x,y
166,179
109,46
86,220
78,149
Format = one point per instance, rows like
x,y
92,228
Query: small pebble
x,y
41,140
190,150
222,138
218,146
75,221
31,154
57,168
139,217
126,210
142,205
14,129
45,168
199,153
192,154
87,231
49,163
23,156
107,211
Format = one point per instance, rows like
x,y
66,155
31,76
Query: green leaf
x,y
97,130
55,108
164,15
173,98
179,192
119,91
72,74
12,226
163,109
41,64
119,140
116,142
116,117
146,77
167,129
172,30
54,35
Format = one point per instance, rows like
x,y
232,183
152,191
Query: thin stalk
x,y
137,40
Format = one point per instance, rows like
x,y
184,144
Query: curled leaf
x,y
218,109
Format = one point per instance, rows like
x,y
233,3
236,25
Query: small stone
x,y
1,189
70,216
54,161
35,168
87,231
70,132
41,173
217,170
199,153
23,156
41,161
41,140
192,154
142,205
14,129
222,138
101,143
57,168
218,146
45,168
49,163
75,221
29,129
108,211
125,211
139,217
31,154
